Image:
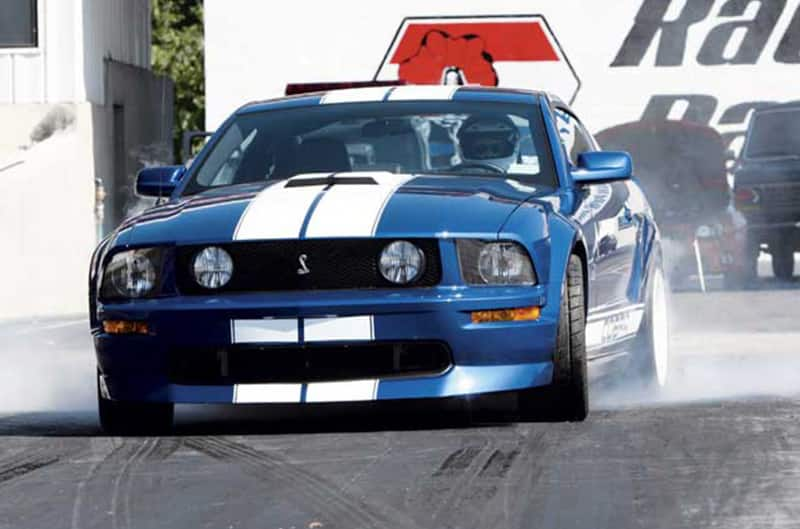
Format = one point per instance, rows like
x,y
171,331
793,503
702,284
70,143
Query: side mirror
x,y
602,166
159,181
730,155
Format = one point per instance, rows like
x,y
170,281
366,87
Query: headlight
x,y
132,274
212,267
495,263
401,262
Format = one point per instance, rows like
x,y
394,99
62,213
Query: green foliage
x,y
178,53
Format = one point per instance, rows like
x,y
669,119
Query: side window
x,y
223,163
573,135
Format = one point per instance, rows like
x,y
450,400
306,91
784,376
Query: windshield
x,y
443,137
775,133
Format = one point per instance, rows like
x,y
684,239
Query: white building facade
x,y
710,61
80,112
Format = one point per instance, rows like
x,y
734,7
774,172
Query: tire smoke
x,y
724,346
48,365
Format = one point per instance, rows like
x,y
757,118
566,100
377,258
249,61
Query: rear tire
x,y
651,363
783,262
133,418
746,272
567,398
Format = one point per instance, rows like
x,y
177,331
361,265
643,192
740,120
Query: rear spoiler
x,y
304,88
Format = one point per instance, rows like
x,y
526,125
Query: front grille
x,y
306,363
332,264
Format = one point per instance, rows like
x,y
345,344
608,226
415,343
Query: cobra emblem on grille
x,y
303,270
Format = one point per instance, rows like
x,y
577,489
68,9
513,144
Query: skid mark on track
x,y
117,456
439,492
163,449
26,465
110,480
329,502
458,461
77,504
499,463
485,485
123,484
373,461
474,485
14,465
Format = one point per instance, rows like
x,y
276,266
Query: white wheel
x,y
650,362
659,328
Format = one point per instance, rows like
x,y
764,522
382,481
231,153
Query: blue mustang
x,y
381,243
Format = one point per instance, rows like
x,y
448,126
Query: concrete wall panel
x,y
117,30
6,79
143,102
28,78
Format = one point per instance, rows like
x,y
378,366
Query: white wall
x,y
44,74
253,48
75,36
47,223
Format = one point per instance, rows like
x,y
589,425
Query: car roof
x,y
394,93
791,105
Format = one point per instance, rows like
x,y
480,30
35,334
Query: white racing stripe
x,y
345,210
266,393
265,331
613,326
350,328
286,330
354,210
423,93
277,212
355,95
347,391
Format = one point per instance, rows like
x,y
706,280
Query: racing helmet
x,y
492,139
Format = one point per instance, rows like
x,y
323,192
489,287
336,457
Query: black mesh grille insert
x,y
332,264
307,363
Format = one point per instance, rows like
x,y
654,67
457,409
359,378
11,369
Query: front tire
x,y
568,396
133,418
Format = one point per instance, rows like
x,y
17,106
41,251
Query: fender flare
x,y
566,239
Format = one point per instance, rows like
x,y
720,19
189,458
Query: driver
x,y
489,141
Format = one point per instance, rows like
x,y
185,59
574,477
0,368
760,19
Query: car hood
x,y
350,205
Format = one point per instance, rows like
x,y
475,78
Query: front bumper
x,y
487,357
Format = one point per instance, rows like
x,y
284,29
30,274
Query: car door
x,y
608,219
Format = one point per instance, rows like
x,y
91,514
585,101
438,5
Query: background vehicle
x,y
767,186
314,252
681,166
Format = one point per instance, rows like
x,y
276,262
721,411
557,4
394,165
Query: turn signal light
x,y
125,327
520,314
